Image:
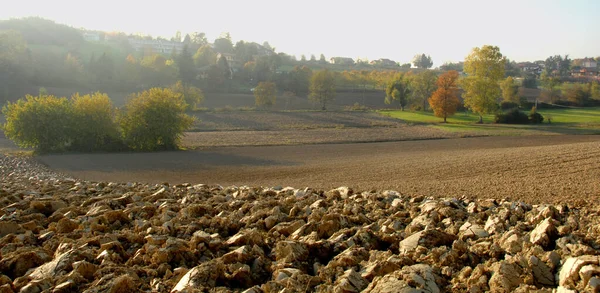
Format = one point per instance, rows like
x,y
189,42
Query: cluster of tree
x,y
154,119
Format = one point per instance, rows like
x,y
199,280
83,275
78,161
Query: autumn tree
x,y
192,95
322,88
423,85
510,91
422,61
205,56
398,90
485,68
444,100
265,94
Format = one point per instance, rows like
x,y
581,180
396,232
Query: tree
x,y
185,64
322,88
322,59
423,85
223,45
303,58
205,56
299,79
192,95
398,90
444,100
485,68
510,90
557,65
422,61
177,37
199,39
595,90
550,88
406,66
154,120
313,58
265,94
576,93
459,66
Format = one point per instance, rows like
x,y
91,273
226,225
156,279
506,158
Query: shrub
x,y
530,82
507,105
357,107
43,122
265,94
192,95
155,120
94,126
535,117
514,116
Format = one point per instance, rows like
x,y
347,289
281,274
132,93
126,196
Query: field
x,y
534,169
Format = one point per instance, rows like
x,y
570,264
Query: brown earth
x,y
533,168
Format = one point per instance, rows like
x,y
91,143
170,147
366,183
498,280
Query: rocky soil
x,y
60,234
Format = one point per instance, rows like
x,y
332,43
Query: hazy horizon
x,y
447,31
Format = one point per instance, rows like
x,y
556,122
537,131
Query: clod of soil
x,y
65,235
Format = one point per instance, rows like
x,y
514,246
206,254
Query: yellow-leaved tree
x,y
484,68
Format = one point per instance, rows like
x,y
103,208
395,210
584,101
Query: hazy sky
x,y
445,29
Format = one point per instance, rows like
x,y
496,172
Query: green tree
x,y
422,61
205,56
398,90
322,88
265,94
550,88
155,120
185,65
485,68
322,59
95,127
14,63
595,90
423,86
223,44
299,79
192,95
510,90
43,123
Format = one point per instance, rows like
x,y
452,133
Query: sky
x,y
447,30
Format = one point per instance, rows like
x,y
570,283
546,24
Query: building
x,y
157,46
589,63
341,60
91,36
530,67
384,62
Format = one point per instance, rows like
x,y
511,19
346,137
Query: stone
x,y
505,277
350,282
569,272
543,233
291,252
541,272
586,272
475,231
10,228
427,238
205,275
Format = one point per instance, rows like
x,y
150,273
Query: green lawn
x,y
428,117
573,116
565,121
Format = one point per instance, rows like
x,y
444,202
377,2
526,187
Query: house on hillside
x,y
384,62
157,46
91,36
341,60
530,67
589,63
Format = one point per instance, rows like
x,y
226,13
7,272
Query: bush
x,y
357,107
192,95
43,123
94,126
155,120
535,117
530,82
507,105
514,116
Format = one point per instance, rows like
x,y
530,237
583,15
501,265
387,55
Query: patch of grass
x,y
428,117
572,116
